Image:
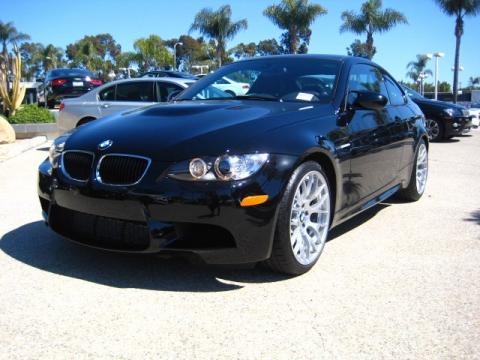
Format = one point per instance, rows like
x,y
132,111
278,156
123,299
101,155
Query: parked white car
x,y
231,87
117,96
474,111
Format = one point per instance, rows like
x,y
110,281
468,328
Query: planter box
x,y
24,131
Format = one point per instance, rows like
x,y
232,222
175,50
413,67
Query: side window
x,y
165,89
394,92
107,94
366,78
141,91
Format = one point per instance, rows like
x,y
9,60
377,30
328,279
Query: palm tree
x,y
418,67
10,35
459,9
295,17
51,57
371,19
417,70
218,26
474,81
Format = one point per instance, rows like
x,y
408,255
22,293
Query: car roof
x,y
166,79
340,58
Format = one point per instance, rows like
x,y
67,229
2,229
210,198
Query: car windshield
x,y
412,93
70,72
293,79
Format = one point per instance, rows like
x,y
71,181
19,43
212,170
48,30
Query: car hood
x,y
438,104
174,132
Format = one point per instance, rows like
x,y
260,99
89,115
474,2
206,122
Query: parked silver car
x,y
117,96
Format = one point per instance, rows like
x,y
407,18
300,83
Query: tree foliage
x,y
219,27
151,53
361,49
370,20
295,17
417,67
97,53
459,9
9,35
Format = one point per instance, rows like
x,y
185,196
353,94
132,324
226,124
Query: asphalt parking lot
x,y
399,281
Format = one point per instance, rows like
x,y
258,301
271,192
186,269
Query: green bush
x,y
30,114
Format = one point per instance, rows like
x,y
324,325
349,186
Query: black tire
x,y
282,258
411,193
437,136
51,104
230,92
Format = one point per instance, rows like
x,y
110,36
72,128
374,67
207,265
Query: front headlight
x,y
224,168
55,151
453,112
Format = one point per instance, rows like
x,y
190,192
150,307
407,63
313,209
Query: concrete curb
x,y
25,131
8,151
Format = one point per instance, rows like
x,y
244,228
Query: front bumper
x,y
458,126
162,214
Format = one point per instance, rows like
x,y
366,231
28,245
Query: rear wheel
x,y
51,104
418,178
303,221
435,129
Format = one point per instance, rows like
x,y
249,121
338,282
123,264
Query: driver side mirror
x,y
367,100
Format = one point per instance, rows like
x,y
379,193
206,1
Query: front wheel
x,y
435,129
418,178
303,221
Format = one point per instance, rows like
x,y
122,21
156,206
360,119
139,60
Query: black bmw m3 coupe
x,y
260,177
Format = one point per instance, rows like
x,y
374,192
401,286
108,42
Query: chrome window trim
x,y
99,178
65,172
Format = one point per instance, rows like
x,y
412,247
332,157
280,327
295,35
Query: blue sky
x,y
60,23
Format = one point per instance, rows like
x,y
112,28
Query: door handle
x,y
105,106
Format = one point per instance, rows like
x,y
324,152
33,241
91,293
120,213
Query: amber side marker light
x,y
254,200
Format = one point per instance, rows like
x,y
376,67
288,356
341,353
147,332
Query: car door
x,y
127,95
403,126
373,155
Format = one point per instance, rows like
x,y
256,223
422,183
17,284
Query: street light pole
x,y
175,54
437,55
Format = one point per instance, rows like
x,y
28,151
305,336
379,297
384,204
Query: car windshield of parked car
x,y
412,93
273,79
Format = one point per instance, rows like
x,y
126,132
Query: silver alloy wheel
x,y
433,129
422,168
310,217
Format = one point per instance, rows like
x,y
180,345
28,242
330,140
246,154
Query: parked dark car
x,y
169,73
444,120
60,84
243,179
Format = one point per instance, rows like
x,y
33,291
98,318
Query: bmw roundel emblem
x,y
105,144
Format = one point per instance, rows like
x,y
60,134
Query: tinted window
x,y
69,72
394,92
366,78
107,94
165,89
135,91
